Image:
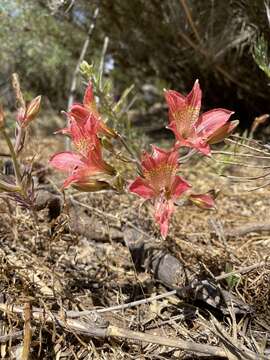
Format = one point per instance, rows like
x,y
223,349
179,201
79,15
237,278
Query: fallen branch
x,y
246,229
88,327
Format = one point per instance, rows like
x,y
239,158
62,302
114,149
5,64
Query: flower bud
x,y
108,169
106,130
203,201
221,133
87,69
92,186
106,144
25,116
32,110
119,183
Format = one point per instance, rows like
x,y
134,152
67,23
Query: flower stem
x,y
20,137
186,157
14,159
126,146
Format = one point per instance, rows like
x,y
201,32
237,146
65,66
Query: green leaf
x,y
232,280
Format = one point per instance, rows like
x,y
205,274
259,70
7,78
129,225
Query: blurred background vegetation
x,y
153,44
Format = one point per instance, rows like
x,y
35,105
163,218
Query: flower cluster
x,y
158,179
86,168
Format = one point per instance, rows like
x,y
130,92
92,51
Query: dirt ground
x,y
104,250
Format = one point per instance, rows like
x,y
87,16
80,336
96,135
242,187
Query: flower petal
x,y
141,187
221,133
79,112
163,212
212,120
162,156
175,100
96,164
88,96
194,100
200,145
194,143
184,114
84,136
66,161
179,186
69,180
148,162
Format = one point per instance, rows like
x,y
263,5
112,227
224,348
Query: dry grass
x,y
57,268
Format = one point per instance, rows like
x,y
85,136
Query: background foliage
x,y
165,43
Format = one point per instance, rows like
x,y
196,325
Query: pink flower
x,y
194,130
83,170
160,183
81,112
84,136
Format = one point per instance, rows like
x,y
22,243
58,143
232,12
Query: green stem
x,y
4,186
126,146
14,159
186,157
119,136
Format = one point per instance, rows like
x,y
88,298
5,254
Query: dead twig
x,y
190,20
243,270
238,143
91,329
75,314
248,228
232,345
232,153
171,342
27,331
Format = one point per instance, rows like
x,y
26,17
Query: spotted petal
x,y
184,111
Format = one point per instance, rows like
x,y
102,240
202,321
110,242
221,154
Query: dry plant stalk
x,y
27,332
92,329
17,90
